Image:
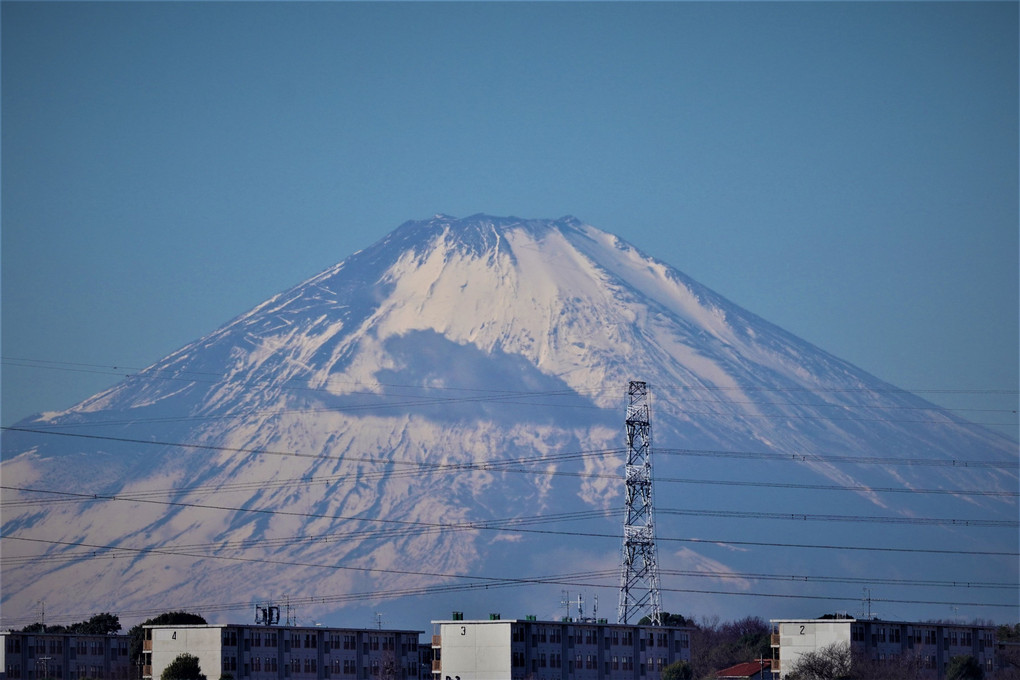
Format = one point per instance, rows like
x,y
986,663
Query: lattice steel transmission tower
x,y
639,579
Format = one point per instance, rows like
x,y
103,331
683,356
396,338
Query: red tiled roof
x,y
744,670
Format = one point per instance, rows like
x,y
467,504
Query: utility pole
x,y
639,578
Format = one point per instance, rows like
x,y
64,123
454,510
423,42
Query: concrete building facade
x,y
260,652
515,649
931,644
65,656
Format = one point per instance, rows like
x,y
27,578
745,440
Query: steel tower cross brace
x,y
639,579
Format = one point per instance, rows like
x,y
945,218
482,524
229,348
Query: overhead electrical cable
x,y
492,582
747,455
481,395
393,593
366,475
480,525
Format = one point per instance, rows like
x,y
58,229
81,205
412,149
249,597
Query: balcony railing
x,y
437,640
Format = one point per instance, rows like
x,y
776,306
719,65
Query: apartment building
x,y
931,644
272,652
65,656
497,649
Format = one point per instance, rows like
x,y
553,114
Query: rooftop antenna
x,y
565,603
639,578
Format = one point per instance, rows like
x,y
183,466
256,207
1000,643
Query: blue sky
x,y
848,171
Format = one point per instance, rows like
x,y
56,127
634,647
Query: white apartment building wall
x,y
515,649
933,644
259,652
475,651
799,637
164,644
64,656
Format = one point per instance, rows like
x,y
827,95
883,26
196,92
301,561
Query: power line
x,y
393,593
481,395
857,460
494,582
808,517
974,522
117,369
462,525
921,583
748,455
363,476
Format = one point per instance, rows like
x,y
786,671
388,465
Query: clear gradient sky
x,y
848,171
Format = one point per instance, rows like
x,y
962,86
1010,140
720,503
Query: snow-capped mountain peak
x,y
336,438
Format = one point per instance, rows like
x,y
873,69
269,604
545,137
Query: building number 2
x,y
802,630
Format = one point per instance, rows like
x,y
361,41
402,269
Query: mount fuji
x,y
436,424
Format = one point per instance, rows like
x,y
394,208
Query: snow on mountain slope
x,y
448,403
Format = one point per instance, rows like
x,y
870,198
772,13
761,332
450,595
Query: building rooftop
x,y
745,670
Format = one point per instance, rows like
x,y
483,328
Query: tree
x,y
681,670
1007,633
666,618
100,624
964,668
716,645
184,667
828,663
